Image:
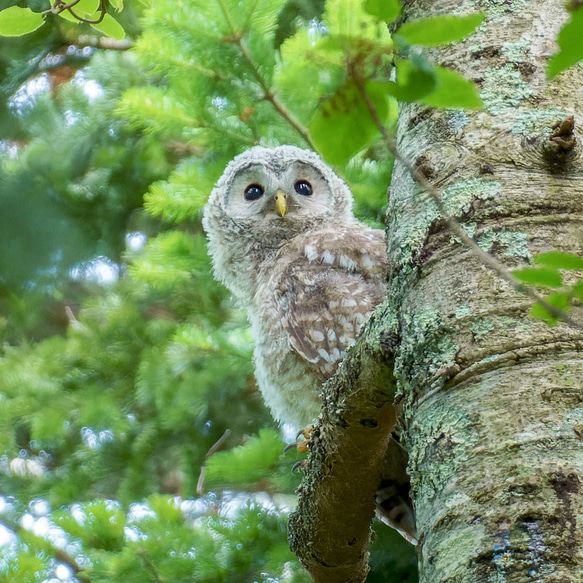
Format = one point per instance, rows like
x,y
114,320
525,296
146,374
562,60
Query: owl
x,y
284,241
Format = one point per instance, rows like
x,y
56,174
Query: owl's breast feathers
x,y
326,284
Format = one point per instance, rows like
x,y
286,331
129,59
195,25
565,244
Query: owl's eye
x,y
254,192
303,187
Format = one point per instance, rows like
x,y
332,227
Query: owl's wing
x,y
326,295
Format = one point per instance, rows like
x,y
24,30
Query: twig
x,y
59,6
150,566
209,453
453,224
286,114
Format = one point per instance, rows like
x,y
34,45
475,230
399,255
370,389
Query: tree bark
x,y
492,399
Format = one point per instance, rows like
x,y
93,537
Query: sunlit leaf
x,y
539,276
383,9
453,90
342,125
83,9
439,30
413,81
16,21
110,27
539,312
557,300
559,260
578,289
86,8
570,41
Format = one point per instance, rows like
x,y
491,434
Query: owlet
x,y
284,241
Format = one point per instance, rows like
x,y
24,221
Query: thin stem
x,y
59,6
209,453
453,224
149,565
291,119
268,95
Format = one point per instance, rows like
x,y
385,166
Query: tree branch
x,y
330,529
60,6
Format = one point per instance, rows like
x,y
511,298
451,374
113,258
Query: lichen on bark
x,y
495,467
490,402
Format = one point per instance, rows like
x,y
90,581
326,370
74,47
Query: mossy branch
x,y
330,529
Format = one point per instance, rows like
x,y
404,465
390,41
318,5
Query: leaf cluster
x,y
548,274
17,21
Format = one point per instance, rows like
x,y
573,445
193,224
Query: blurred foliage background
x,y
134,445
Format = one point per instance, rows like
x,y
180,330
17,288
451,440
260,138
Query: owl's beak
x,y
280,203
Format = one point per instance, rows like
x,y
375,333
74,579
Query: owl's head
x,y
266,197
280,188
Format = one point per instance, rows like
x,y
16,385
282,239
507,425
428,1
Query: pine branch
x,y
454,225
268,95
60,555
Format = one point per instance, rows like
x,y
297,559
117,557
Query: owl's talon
x,y
306,432
302,445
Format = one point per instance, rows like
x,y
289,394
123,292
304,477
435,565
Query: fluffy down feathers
x,y
308,281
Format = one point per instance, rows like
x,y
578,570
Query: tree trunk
x,y
492,400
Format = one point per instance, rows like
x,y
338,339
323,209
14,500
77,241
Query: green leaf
x,y
16,21
117,4
84,9
414,80
559,260
342,125
538,312
571,44
539,276
557,300
383,9
109,26
578,289
439,30
453,90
